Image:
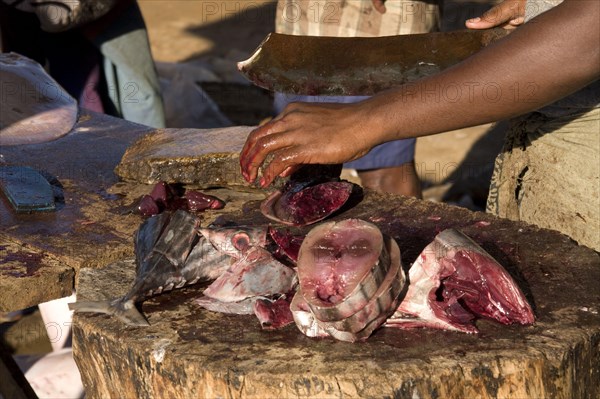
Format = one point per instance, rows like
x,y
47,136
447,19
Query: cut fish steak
x,y
311,194
452,282
308,205
350,280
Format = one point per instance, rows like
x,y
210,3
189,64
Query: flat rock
x,y
191,352
204,157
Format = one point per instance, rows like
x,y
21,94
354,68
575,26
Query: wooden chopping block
x,y
191,352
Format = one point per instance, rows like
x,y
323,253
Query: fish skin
x,y
243,307
304,318
468,274
383,303
236,241
167,256
169,253
257,273
206,261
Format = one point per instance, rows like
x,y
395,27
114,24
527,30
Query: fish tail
x,y
123,310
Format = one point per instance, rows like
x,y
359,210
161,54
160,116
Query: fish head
x,y
237,240
486,289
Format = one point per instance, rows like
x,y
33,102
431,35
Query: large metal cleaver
x,y
311,65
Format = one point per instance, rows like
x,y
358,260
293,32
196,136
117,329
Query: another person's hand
x,y
306,134
379,5
509,15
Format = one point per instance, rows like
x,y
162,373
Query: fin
x,y
124,311
147,235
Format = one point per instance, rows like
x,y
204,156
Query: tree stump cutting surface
x,y
191,352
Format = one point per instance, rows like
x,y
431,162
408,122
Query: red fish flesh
x,y
166,196
310,195
350,279
453,282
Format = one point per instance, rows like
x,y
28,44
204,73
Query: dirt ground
x,y
454,166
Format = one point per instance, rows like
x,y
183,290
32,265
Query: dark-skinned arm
x,y
546,59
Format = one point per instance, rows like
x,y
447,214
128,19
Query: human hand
x,y
379,5
509,15
307,134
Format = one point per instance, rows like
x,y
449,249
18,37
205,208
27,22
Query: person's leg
x,y
402,180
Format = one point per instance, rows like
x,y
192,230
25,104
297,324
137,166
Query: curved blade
x,y
310,65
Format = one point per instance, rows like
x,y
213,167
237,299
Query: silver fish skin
x,y
383,303
257,273
169,254
304,318
243,307
236,241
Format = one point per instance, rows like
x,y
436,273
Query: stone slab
x,y
191,352
203,157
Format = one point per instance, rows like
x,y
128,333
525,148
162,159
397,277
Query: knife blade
x,y
311,65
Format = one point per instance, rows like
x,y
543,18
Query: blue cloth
x,y
386,155
133,86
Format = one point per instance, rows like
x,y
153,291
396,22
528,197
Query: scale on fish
x,y
170,253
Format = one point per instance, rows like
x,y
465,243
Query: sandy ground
x,y
180,31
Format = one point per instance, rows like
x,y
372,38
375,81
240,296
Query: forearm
x,y
541,62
